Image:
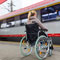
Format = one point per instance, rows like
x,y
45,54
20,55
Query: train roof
x,y
36,6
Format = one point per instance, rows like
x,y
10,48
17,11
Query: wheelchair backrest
x,y
32,28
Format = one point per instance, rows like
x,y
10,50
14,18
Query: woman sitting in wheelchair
x,y
36,37
32,27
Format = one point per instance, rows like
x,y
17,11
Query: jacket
x,y
35,19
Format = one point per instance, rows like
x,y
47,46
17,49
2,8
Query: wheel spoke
x,y
41,51
25,47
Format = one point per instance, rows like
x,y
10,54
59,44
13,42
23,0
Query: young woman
x,y
32,27
32,17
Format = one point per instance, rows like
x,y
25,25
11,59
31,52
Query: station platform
x,y
11,51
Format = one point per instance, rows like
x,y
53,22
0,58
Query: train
x,y
12,25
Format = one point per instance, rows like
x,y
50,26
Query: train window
x,y
22,23
10,22
3,25
59,13
0,24
50,13
17,23
7,25
23,19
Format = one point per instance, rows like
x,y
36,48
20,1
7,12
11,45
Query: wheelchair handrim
x,y
36,47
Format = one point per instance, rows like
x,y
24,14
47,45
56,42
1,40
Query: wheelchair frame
x,y
49,43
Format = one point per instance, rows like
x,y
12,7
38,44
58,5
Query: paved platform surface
x,y
11,51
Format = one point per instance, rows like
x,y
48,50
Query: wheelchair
x,y
42,45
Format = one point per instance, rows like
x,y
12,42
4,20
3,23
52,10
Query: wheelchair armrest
x,y
43,30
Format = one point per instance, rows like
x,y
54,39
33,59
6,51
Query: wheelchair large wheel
x,y
25,47
41,47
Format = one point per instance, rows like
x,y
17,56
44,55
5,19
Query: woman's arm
x,y
41,25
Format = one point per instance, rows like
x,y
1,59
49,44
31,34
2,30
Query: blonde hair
x,y
31,13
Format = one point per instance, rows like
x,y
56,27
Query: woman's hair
x,y
31,13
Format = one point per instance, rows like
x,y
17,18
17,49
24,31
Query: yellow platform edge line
x,y
56,45
9,41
